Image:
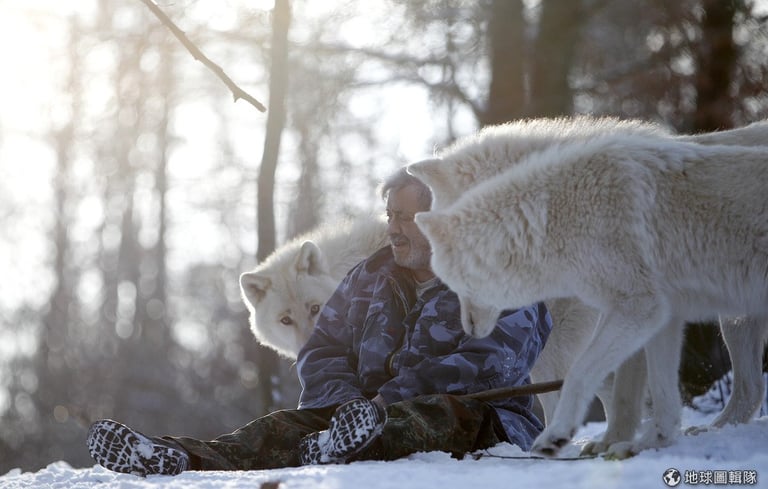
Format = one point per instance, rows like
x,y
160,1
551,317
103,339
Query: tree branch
x,y
237,92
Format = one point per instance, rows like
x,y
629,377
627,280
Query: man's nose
x,y
393,226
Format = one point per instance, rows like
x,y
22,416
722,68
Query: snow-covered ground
x,y
728,455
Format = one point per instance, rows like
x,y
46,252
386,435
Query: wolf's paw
x,y
650,439
594,448
604,444
621,450
656,437
549,443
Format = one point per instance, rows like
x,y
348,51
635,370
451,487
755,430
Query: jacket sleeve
x,y
324,366
450,361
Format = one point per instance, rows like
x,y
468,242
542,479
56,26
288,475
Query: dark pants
x,y
428,423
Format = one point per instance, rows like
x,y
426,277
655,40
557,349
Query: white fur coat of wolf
x,y
496,148
650,231
284,294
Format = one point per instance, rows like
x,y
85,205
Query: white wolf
x,y
650,231
498,147
284,294
491,151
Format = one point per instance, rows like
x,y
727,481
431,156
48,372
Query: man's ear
x,y
310,260
254,287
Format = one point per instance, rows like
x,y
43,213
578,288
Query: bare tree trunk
x,y
506,95
305,211
153,306
278,85
716,57
558,35
53,373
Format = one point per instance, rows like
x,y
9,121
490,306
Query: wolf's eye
x,y
286,320
314,309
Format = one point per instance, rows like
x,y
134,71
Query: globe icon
x,y
672,477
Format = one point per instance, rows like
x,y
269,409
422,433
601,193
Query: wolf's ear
x,y
428,171
431,172
310,260
439,176
254,287
435,225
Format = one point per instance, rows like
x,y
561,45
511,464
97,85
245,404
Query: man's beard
x,y
417,257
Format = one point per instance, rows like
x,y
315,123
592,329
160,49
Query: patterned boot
x,y
353,427
121,449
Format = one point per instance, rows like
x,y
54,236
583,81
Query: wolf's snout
x,y
471,324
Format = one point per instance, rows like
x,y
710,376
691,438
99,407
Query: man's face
x,y
410,247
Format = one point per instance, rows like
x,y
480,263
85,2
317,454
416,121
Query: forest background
x,y
133,191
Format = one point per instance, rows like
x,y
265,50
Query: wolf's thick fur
x,y
498,147
285,292
491,151
651,231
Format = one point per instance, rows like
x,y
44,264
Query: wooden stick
x,y
520,390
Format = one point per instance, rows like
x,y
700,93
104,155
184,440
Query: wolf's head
x,y
454,261
486,248
285,298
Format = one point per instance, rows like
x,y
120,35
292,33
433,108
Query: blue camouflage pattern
x,y
374,336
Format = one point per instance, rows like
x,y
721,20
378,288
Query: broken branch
x,y
237,92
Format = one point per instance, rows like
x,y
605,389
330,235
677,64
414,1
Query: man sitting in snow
x,y
380,375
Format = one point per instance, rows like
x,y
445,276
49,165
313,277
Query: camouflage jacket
x,y
375,336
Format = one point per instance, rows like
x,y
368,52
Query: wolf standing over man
x,y
651,232
381,374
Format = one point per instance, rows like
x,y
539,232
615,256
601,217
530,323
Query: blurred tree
x,y
508,58
716,56
278,83
552,59
52,366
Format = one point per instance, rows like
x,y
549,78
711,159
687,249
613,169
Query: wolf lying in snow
x,y
284,294
650,231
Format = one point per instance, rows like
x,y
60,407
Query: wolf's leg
x,y
573,325
745,338
548,400
624,407
662,355
616,337
552,364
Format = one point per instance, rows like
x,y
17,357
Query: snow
x,y
733,451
